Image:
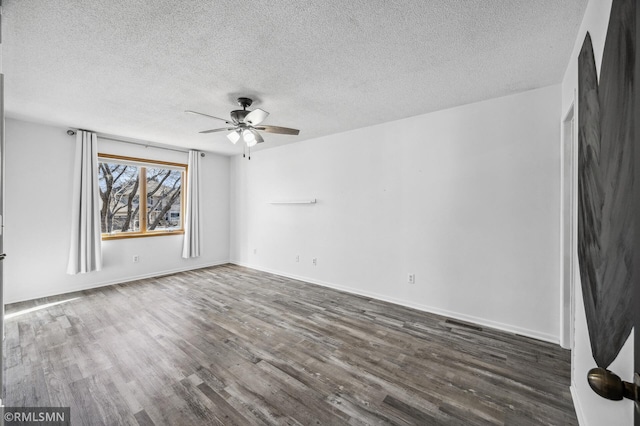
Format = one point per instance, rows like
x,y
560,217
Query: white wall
x,y
591,409
39,175
466,198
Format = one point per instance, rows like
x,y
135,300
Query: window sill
x,y
123,236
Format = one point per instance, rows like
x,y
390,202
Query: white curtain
x,y
85,253
191,244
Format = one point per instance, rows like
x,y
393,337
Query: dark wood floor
x,y
229,345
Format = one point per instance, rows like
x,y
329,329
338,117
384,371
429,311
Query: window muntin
x,y
129,186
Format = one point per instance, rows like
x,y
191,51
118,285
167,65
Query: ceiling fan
x,y
246,124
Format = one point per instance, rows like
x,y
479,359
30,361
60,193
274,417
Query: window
x,y
140,198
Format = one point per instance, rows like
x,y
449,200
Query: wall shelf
x,y
307,201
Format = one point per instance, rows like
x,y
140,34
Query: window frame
x,y
143,164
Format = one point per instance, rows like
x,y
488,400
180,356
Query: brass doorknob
x,y
609,385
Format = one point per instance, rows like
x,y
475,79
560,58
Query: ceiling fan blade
x,y
207,115
256,116
217,130
278,129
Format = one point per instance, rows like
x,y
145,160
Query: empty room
x,y
404,213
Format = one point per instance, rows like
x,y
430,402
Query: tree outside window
x,y
129,186
163,198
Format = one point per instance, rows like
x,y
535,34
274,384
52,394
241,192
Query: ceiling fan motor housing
x,y
238,115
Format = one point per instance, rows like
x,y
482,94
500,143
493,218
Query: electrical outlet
x,y
411,278
255,251
315,261
298,259
136,258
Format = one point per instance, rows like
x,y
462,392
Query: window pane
x,y
164,203
120,200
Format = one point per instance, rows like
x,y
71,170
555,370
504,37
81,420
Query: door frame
x,y
568,225
2,214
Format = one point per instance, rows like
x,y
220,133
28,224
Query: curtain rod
x,y
73,131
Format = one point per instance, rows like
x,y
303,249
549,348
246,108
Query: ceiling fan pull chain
x,y
249,148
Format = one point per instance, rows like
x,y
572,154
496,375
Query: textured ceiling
x,y
131,67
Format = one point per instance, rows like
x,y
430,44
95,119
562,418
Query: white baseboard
x,y
425,308
117,281
576,404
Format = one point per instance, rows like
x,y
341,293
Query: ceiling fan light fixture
x,y
249,138
234,137
259,138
